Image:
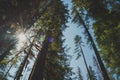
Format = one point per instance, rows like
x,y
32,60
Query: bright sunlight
x,y
21,40
21,37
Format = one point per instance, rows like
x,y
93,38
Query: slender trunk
x,y
85,63
101,64
99,72
7,73
22,65
96,63
19,72
38,69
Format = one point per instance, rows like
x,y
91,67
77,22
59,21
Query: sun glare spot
x,y
21,40
21,37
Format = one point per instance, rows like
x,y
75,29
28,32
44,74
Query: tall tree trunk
x,y
4,77
85,63
96,64
101,64
22,65
38,69
19,72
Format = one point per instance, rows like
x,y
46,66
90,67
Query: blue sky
x,y
69,35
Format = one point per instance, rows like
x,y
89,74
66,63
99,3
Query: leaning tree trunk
x,y
20,70
101,64
22,65
38,69
85,63
4,77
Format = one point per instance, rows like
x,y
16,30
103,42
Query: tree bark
x,y
38,69
85,63
101,64
19,72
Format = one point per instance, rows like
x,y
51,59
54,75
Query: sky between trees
x,y
59,40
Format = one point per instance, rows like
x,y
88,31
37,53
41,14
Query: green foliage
x,y
107,35
4,61
49,24
78,43
56,66
106,15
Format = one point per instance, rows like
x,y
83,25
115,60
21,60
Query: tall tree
x,y
51,58
10,22
54,21
79,19
98,72
79,50
40,62
106,15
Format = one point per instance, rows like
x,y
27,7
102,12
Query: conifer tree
x,y
78,18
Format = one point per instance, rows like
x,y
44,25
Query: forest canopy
x,y
42,54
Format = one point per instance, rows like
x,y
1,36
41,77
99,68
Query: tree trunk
x,y
19,72
22,65
103,69
4,77
85,63
38,69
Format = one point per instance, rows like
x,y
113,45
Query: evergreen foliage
x,y
51,62
106,16
42,23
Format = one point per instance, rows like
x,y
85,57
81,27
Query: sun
x,y
21,40
21,37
